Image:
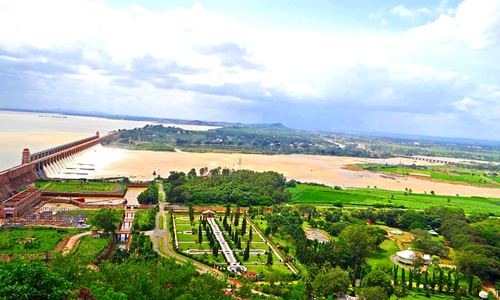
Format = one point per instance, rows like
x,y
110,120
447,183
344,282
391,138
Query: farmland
x,y
447,173
369,197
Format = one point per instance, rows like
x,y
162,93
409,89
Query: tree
x,y
191,173
358,241
106,219
332,282
200,235
267,231
191,213
378,278
400,291
269,262
228,210
246,254
373,293
244,225
250,234
215,250
31,280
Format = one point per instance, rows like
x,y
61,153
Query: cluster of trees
x,y
150,195
270,140
145,219
135,274
222,186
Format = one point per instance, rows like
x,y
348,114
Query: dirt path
x,y
73,241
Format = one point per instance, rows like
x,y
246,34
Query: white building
x,y
408,256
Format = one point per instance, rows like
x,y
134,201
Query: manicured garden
x,y
78,186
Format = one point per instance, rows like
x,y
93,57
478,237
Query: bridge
x,y
37,165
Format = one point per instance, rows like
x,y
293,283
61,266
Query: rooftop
x,y
20,196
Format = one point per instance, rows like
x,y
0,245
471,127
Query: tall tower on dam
x,y
26,156
36,165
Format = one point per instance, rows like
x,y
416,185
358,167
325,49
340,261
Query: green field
x,y
91,246
303,193
382,256
31,240
448,173
81,187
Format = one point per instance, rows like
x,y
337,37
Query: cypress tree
x,y
403,277
229,230
410,284
426,280
237,217
228,209
395,275
441,273
246,254
215,250
200,236
243,226
457,280
269,257
250,234
239,243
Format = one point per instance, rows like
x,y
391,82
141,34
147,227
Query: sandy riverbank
x,y
321,169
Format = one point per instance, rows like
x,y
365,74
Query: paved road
x,y
156,233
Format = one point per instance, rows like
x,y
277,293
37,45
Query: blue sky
x,y
417,67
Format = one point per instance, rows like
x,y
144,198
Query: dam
x,y
58,162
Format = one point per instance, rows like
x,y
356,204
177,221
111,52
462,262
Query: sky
x,y
415,67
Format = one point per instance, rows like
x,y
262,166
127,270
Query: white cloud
x,y
476,23
467,104
409,14
383,22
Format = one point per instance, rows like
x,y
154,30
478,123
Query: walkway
x,y
157,233
228,253
73,241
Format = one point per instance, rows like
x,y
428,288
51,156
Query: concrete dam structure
x,y
50,163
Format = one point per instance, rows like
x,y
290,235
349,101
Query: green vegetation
x,y
221,186
373,197
161,225
135,274
81,187
106,219
145,219
448,173
91,246
273,139
150,195
31,240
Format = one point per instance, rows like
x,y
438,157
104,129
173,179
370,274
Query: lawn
x,y
32,240
78,186
303,193
261,268
161,223
382,256
91,246
421,296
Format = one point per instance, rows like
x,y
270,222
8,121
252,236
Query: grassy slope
x,y
91,246
45,239
368,196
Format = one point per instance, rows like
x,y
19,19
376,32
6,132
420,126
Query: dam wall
x,y
43,164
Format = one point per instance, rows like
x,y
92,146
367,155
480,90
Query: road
x,y
73,241
157,233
